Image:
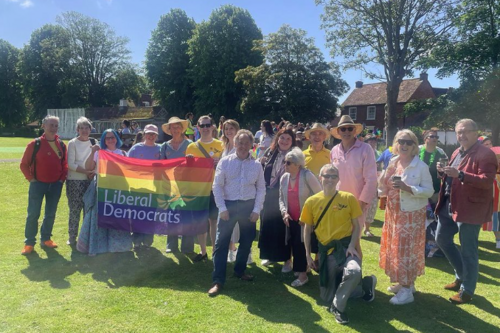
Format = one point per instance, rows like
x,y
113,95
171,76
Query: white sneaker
x,y
265,262
287,268
250,259
397,287
404,296
498,243
231,256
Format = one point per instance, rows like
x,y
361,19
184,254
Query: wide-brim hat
x,y
346,121
175,120
317,127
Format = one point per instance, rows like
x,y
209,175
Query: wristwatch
x,y
461,176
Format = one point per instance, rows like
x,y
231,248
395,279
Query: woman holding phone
x,y
407,184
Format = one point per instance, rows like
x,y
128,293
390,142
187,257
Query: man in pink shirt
x,y
356,164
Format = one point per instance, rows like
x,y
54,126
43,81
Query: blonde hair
x,y
413,137
230,122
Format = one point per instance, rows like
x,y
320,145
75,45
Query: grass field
x,y
65,291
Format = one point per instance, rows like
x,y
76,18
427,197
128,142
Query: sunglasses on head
x,y
433,136
350,129
330,176
405,142
205,125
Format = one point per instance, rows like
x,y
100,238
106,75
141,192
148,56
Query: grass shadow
x,y
55,269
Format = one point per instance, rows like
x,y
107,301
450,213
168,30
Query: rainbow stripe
x,y
168,197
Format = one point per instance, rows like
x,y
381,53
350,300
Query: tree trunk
x,y
391,116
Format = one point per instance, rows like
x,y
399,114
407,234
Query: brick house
x,y
366,103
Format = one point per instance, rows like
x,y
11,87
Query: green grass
x,y
64,291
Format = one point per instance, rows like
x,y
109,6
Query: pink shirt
x,y
293,199
357,170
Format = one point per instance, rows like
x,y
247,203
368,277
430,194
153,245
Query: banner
x,y
166,197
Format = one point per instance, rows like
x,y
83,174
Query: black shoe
x,y
368,284
245,277
340,317
200,257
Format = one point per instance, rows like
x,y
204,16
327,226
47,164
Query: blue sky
x,y
136,20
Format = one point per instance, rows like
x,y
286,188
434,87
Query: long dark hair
x,y
268,127
274,145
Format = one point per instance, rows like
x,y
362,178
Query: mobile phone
x,y
443,162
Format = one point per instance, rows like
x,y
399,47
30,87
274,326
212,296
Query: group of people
x,y
313,203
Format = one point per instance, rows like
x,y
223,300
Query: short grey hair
x,y
467,121
49,117
83,121
296,156
243,132
329,167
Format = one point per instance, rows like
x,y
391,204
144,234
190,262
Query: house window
x,y
353,112
371,112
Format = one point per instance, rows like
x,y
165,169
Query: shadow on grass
x,y
443,265
429,313
55,269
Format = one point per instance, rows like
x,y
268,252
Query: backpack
x,y
37,148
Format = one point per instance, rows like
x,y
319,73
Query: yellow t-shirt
x,y
214,149
316,160
336,224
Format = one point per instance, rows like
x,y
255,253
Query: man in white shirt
x,y
239,190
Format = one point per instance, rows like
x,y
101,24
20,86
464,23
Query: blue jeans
x,y
465,261
52,193
239,211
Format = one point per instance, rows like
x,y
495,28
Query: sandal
x,y
298,283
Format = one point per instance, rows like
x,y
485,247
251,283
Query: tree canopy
x,y
295,82
219,47
167,62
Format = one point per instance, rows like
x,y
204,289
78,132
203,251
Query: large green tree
x,y
49,79
295,82
97,54
167,62
221,46
392,33
12,105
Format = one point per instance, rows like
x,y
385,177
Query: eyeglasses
x,y
288,162
405,142
205,125
350,129
330,176
433,136
110,138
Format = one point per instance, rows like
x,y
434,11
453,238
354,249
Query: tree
x,y
295,82
473,53
49,80
167,62
392,33
127,84
12,106
219,47
97,53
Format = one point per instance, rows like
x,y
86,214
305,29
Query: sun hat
x,y
150,128
346,121
317,127
175,120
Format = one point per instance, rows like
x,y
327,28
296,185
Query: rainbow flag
x,y
167,197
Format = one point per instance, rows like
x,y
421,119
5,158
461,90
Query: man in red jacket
x,y
46,171
465,203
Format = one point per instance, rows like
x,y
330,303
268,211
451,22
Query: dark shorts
x,y
213,211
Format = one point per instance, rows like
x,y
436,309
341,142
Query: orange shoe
x,y
50,243
27,249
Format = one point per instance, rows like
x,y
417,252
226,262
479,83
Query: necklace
x,y
422,155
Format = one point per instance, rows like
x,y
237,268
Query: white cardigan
x,y
417,176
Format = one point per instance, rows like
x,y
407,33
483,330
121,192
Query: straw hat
x,y
317,127
175,120
346,121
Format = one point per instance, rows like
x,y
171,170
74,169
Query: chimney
x,y
359,84
424,76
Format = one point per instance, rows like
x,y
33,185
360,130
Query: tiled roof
x,y
375,93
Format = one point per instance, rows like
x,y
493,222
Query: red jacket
x,y
472,199
49,167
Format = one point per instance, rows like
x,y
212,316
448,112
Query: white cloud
x,y
23,3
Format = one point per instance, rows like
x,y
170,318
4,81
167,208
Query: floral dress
x,y
402,254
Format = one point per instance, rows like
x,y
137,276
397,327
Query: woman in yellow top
x,y
190,129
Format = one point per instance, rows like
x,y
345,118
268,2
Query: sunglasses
x,y
205,125
288,163
405,142
433,136
330,176
350,129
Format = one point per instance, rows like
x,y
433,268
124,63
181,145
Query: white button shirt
x,y
237,179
